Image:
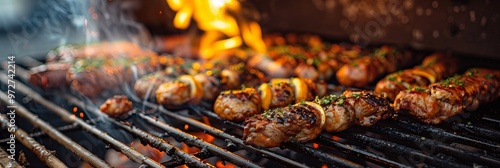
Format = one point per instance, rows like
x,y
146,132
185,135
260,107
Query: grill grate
x,y
472,141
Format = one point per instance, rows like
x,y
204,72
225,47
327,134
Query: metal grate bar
x,y
66,116
479,131
192,140
152,140
400,150
438,132
352,149
5,161
56,135
427,143
43,154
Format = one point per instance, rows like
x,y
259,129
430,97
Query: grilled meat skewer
x,y
298,122
238,105
93,69
440,101
433,68
305,56
191,89
365,70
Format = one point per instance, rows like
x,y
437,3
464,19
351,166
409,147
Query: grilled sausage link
x,y
365,70
440,101
298,123
433,68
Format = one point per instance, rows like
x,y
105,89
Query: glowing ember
x,y
75,109
324,166
221,163
224,26
336,138
315,145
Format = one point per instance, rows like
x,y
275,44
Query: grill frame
x,y
358,142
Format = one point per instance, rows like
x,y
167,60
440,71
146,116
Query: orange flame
x,y
223,29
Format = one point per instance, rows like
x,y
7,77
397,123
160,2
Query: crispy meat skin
x,y
150,83
362,108
362,71
174,94
283,95
297,123
237,105
442,100
433,68
116,106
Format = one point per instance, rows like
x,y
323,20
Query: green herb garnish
x,y
355,95
391,78
340,102
419,89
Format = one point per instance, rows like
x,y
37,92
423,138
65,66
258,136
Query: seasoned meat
x,y
116,106
298,123
279,92
439,101
433,68
211,86
182,91
237,105
361,108
49,76
148,84
283,94
362,71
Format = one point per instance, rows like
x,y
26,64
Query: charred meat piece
x,y
433,68
147,85
283,94
49,76
182,91
116,106
237,105
365,70
91,77
296,123
440,101
361,108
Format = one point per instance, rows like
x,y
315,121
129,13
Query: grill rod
x,y
400,150
152,140
65,115
218,133
5,161
438,132
433,144
56,135
43,154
